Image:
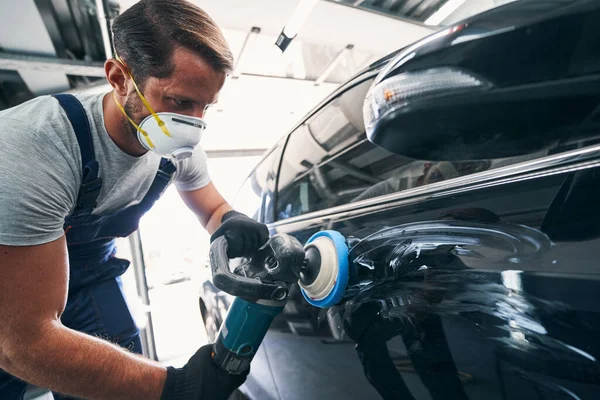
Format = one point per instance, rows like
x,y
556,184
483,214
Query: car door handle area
x,y
444,244
424,290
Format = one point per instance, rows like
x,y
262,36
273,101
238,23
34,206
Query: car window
x,y
329,161
255,195
247,200
268,196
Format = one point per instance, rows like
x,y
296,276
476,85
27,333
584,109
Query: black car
x,y
464,171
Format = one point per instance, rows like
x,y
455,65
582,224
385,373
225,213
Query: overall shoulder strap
x,y
161,181
90,182
166,170
167,166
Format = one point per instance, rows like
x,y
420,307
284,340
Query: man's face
x,y
191,88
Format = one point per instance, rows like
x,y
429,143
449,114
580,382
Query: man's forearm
x,y
216,217
79,365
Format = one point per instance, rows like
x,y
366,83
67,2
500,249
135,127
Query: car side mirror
x,y
449,114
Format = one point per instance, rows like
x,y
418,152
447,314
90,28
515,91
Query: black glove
x,y
244,235
200,379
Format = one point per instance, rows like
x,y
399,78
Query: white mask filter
x,y
185,132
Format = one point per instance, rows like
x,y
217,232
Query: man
x,y
77,172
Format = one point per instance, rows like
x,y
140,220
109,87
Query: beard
x,y
135,109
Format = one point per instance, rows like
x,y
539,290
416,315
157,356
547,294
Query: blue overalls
x,y
95,303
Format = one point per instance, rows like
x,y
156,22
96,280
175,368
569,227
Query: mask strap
x,y
160,122
143,132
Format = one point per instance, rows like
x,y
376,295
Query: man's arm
x,y
208,204
37,348
244,235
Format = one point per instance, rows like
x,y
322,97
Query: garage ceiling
x,y
63,32
413,10
45,43
429,12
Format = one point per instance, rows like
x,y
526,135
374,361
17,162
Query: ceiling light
x,y
444,12
290,30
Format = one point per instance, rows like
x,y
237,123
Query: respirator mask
x,y
167,134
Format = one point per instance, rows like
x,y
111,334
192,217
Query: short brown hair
x,y
146,34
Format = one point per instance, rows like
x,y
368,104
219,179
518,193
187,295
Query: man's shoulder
x,y
34,116
40,104
45,112
36,154
40,123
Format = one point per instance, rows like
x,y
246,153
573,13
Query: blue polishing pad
x,y
341,283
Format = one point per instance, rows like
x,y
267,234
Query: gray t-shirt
x,y
40,170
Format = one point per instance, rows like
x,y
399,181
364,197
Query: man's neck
x,y
114,122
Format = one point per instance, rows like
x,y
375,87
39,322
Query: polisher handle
x,y
242,333
237,285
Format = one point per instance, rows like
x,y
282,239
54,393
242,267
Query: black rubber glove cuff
x,y
200,379
230,214
177,386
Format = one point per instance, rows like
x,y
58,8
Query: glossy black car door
x,y
473,279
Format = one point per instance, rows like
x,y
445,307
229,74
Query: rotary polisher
x,y
261,287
